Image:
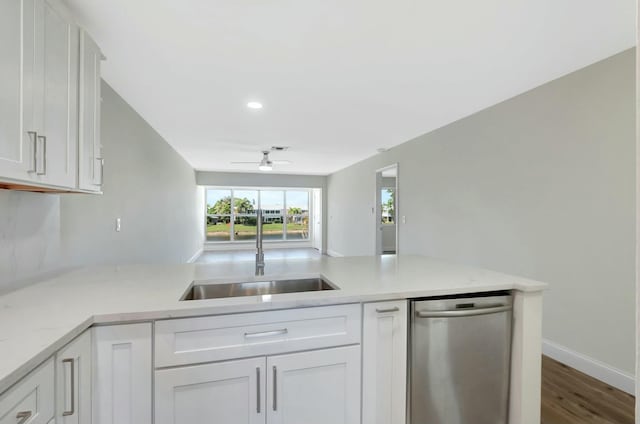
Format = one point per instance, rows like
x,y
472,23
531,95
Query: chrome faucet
x,y
260,252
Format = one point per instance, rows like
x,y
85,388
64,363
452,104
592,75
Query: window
x,y
297,215
245,204
388,206
218,215
231,214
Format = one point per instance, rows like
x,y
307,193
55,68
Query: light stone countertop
x,y
39,319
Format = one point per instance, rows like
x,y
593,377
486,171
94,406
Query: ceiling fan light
x,y
265,167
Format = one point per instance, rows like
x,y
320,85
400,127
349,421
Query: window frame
x,y
233,215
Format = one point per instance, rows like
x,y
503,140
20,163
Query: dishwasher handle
x,y
452,313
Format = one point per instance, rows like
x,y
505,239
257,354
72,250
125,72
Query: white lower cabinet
x,y
32,400
228,392
384,362
73,381
122,374
315,387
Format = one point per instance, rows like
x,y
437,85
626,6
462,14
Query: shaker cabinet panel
x,y
384,362
90,162
315,387
73,381
228,392
17,91
57,113
31,401
122,374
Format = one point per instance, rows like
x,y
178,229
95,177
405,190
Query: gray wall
x,y
263,179
147,184
541,185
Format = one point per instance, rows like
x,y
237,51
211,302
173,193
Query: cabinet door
x,y
122,374
17,127
31,401
73,381
384,362
57,48
227,392
90,163
315,387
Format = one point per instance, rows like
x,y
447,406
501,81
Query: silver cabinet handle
x,y
386,310
101,163
266,333
73,387
463,312
33,137
258,389
101,171
275,388
44,155
23,416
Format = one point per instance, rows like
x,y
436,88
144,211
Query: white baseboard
x,y
596,369
195,256
334,253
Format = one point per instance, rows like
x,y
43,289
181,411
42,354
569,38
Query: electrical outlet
x,y
118,225
404,219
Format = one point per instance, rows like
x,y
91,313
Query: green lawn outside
x,y
241,228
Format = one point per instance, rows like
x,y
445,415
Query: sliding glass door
x,y
231,214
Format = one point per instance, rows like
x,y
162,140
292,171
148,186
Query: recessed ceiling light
x,y
254,105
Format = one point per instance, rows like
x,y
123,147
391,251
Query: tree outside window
x,y
388,206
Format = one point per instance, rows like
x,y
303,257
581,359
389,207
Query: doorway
x,y
387,210
316,219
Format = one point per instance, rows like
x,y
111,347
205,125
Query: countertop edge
x,y
47,352
44,355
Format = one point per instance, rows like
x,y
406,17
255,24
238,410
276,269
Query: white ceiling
x,y
338,78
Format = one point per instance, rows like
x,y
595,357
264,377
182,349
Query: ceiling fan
x,y
265,164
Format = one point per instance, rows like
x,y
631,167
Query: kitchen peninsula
x,y
182,343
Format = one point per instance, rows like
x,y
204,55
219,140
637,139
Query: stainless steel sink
x,y
209,290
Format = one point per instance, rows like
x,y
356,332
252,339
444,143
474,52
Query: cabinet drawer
x,y
31,401
206,339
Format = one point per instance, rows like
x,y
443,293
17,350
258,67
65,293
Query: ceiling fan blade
x,y
281,162
244,163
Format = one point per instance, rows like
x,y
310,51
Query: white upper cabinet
x,y
17,52
40,105
90,163
56,104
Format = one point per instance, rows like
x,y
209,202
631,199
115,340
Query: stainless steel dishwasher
x,y
460,359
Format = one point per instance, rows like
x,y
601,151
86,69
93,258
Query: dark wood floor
x,y
569,396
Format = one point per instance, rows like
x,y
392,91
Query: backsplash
x,y
30,242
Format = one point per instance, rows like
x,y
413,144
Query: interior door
x,y
228,392
315,387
